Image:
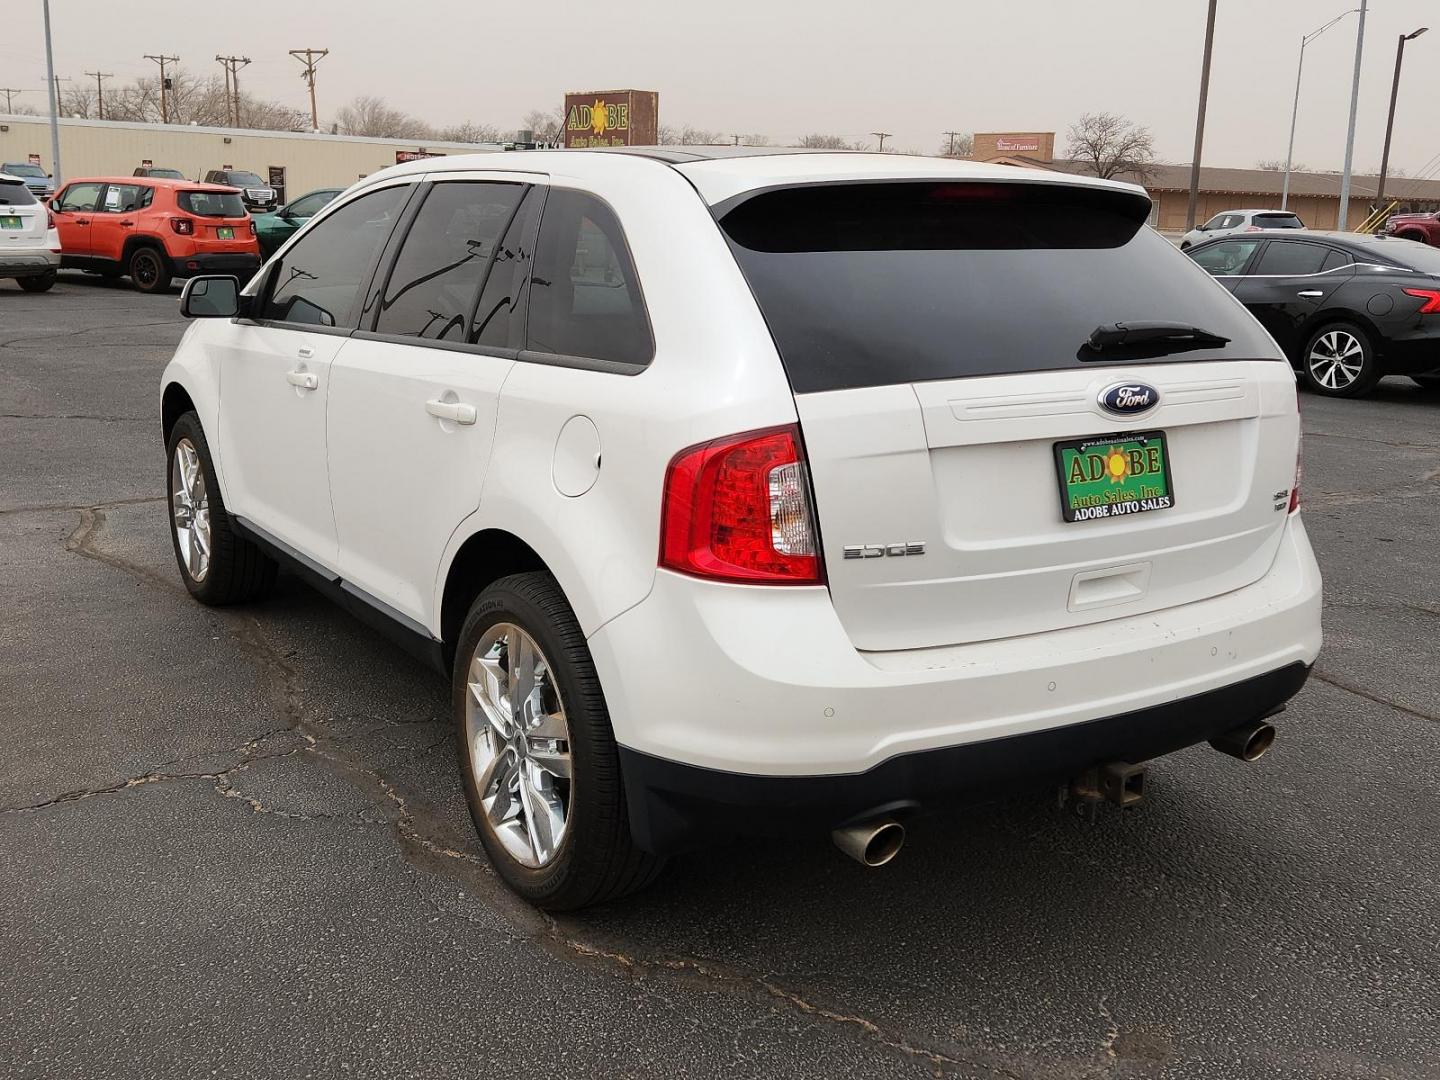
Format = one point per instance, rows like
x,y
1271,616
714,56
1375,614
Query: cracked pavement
x,y
234,840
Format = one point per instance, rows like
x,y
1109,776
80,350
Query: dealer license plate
x,y
1114,476
225,232
10,222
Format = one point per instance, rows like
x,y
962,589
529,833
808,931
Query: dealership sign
x,y
611,118
1016,146
402,156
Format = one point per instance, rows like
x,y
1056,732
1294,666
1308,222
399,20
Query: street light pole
x,y
1390,121
54,99
1342,221
1295,109
1200,118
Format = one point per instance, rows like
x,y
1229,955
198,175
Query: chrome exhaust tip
x,y
1248,742
871,843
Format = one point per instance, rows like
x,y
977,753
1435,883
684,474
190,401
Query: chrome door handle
x,y
455,411
303,380
1311,294
306,352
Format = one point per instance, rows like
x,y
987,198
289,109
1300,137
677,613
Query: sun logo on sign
x,y
1117,466
598,118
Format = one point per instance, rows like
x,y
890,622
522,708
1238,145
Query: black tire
x,y
1331,343
37,282
237,570
149,269
596,860
1426,382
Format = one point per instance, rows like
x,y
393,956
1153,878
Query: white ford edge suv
x,y
758,492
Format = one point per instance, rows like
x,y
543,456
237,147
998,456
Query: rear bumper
x,y
241,262
760,685
28,261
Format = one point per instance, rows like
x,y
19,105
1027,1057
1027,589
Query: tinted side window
x,y
1229,257
444,258
584,295
317,282
80,198
310,205
494,323
1334,259
1286,258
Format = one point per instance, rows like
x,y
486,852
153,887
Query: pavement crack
x,y
1341,683
77,416
82,542
1371,439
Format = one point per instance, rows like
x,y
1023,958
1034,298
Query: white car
x,y
1238,221
758,492
29,242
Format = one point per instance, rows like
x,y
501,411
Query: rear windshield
x,y
212,203
21,169
1410,254
872,284
15,193
1278,221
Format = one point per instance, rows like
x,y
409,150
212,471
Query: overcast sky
x,y
788,67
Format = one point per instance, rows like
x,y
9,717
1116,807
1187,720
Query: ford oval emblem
x,y
1126,399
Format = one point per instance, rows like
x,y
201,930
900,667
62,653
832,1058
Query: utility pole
x,y
232,65
58,79
100,77
311,57
8,91
1200,118
882,136
162,60
54,100
1342,222
1390,123
952,135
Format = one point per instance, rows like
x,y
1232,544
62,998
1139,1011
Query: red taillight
x,y
50,219
738,509
1431,298
183,226
253,230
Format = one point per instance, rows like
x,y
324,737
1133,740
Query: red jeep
x,y
1423,227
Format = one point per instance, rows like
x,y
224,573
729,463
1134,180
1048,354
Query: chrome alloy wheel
x,y
519,744
190,509
1336,359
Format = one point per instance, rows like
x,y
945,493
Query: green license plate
x,y
10,223
225,232
1114,476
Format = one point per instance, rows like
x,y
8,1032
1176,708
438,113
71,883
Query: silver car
x,y
1234,221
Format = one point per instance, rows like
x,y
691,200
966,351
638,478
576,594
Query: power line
x,y
10,91
100,77
232,65
311,57
162,60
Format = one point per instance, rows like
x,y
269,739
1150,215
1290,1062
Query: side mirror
x,y
211,296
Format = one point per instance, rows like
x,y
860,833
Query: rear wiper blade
x,y
1120,335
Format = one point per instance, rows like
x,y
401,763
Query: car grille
x,y
260,194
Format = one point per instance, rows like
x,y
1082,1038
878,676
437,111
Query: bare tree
x,y
548,125
469,132
826,142
369,115
690,135
960,145
79,102
1110,145
193,99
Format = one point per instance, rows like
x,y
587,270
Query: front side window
x,y
124,198
318,281
1228,257
1286,258
451,246
79,198
310,205
585,297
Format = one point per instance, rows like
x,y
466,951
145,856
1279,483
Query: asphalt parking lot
x,y
233,842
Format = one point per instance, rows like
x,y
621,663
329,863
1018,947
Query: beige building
x,y
113,148
1315,197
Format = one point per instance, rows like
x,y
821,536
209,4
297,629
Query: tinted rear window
x,y
1410,254
1278,221
872,284
15,193
212,203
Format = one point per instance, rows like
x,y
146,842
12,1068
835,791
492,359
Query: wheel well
x,y
133,242
1329,318
1412,234
174,403
484,558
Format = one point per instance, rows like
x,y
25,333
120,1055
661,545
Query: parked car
x,y
1235,221
36,179
687,485
154,230
1346,308
274,229
259,197
159,173
29,244
1423,227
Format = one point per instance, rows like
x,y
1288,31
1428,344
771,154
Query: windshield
x,y
869,284
212,203
246,179
166,174
22,169
15,193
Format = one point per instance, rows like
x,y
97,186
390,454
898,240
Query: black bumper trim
x,y
674,806
214,263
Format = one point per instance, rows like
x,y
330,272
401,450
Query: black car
x,y
1346,308
258,196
